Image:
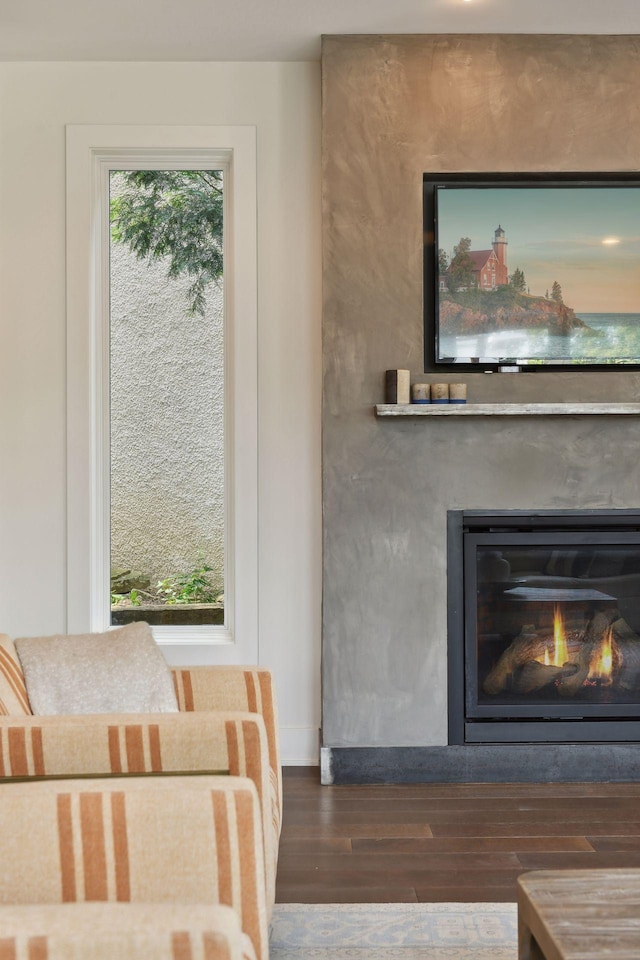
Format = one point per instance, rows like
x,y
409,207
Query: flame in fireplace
x,y
560,649
558,655
601,663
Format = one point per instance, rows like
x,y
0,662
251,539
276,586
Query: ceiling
x,y
274,29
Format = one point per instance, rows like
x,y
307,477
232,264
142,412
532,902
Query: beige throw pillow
x,y
13,693
121,671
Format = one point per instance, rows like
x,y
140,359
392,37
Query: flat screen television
x,y
532,271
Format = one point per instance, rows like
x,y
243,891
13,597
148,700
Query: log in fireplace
x,y
544,626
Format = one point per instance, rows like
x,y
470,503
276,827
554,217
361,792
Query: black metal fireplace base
x,y
602,712
553,731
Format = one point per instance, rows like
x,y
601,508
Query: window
x,y
129,454
167,396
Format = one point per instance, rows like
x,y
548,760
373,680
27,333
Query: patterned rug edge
x,y
394,931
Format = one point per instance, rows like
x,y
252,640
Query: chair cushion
x,y
120,671
13,693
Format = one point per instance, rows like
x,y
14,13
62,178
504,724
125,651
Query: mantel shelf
x,y
507,409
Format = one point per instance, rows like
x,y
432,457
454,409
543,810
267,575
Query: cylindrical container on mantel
x,y
457,393
439,393
420,393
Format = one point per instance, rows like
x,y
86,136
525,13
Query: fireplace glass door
x,y
552,623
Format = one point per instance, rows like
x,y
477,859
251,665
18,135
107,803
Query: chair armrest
x,y
234,688
94,745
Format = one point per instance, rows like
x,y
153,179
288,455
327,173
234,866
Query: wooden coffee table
x,y
579,915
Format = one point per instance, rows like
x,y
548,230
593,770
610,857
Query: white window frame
x,y
93,151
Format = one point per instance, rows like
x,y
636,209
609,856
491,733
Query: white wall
x,y
283,101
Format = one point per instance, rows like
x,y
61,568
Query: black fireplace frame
x,y
566,723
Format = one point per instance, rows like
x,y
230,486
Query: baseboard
x,y
326,766
299,746
482,763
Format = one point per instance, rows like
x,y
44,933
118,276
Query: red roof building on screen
x,y
490,266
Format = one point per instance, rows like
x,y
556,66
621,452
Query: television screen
x,y
533,271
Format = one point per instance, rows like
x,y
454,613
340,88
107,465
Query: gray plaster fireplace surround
x,y
395,108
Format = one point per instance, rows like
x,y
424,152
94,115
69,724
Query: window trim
x,y
92,152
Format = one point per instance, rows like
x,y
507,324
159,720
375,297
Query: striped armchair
x,y
175,841
121,744
227,724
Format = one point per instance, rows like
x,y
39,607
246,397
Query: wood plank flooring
x,y
437,842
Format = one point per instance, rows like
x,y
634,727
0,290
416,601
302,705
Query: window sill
x,y
170,614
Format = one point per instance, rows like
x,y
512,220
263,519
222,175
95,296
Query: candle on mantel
x,y
440,393
457,393
421,393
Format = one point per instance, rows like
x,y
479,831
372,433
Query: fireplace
x,y
544,626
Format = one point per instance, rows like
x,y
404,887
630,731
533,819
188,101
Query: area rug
x,y
394,931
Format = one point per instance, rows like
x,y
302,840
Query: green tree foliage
x,y
461,266
443,262
517,280
177,215
556,292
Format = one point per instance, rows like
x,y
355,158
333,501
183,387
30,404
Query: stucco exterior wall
x,y
167,422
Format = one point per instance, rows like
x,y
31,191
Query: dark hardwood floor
x,y
438,842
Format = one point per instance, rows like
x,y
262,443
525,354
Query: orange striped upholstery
x,y
98,745
171,840
13,693
236,688
118,931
